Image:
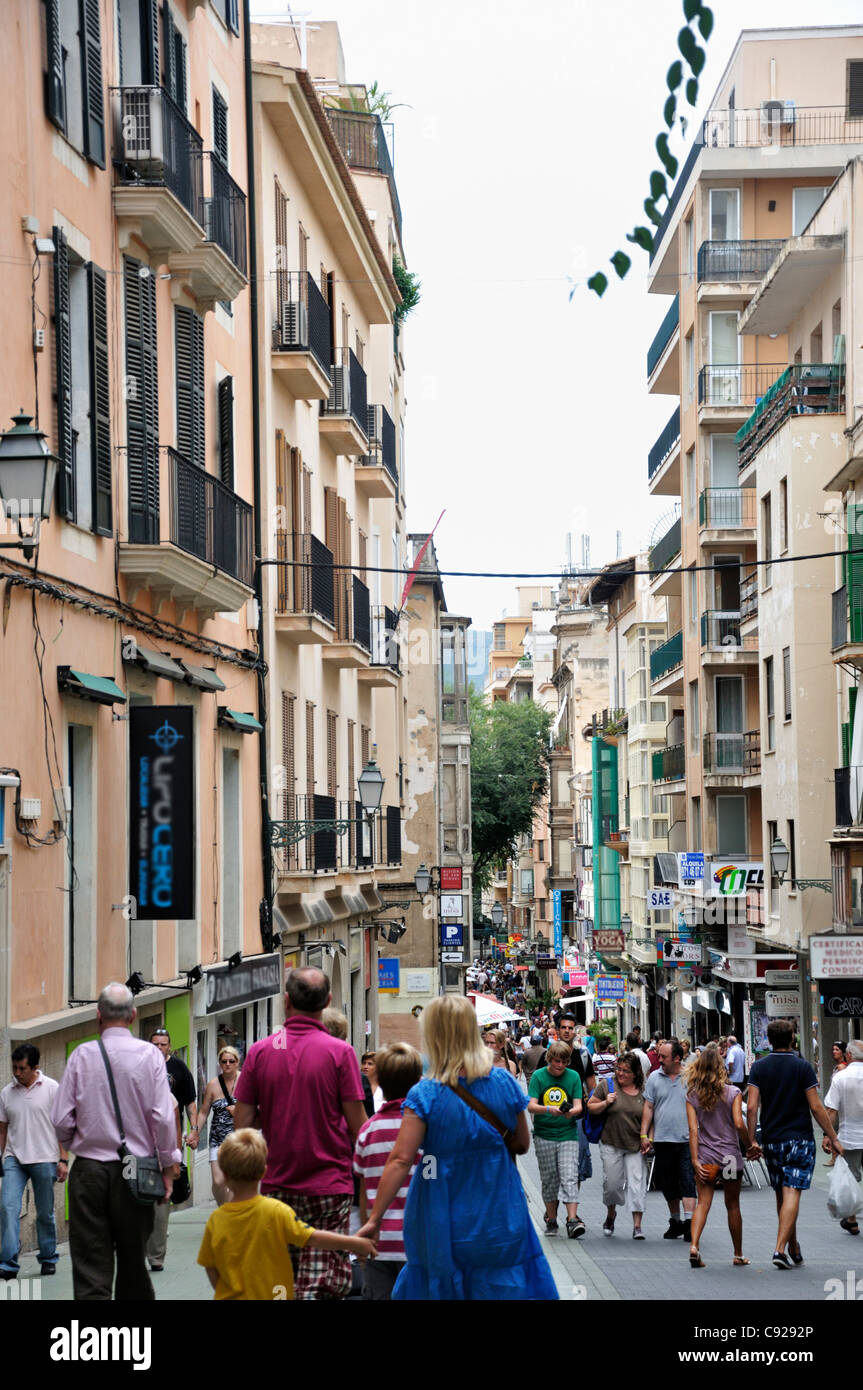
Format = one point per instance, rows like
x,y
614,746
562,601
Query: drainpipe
x,y
266,905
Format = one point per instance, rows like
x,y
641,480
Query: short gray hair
x,y
116,1003
854,1049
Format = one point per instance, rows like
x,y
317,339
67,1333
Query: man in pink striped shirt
x,y
398,1068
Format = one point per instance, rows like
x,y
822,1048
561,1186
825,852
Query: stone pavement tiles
x,y
609,1268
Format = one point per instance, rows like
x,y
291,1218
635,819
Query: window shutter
x,y
91,74
343,576
168,31
150,76
55,87
220,127
855,571
63,346
786,681
233,15
142,403
226,431
855,89
288,755
100,401
189,356
332,734
283,282
182,80
310,748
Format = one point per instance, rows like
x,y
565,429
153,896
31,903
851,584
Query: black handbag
x,y
142,1176
182,1190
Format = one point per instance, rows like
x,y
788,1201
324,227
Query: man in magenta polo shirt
x,y
305,1090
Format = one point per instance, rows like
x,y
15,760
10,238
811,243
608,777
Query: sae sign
x,y
161,819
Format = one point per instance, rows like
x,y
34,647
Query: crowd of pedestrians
x,y
396,1178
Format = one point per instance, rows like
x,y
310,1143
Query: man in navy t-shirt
x,y
786,1089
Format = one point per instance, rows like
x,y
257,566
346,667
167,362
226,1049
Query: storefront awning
x,y
153,662
102,690
202,677
238,721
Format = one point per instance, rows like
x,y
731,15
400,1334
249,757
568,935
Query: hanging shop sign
x,y
230,987
161,811
843,1000
450,880
782,1003
658,899
546,962
690,872
784,979
609,939
557,903
388,975
836,957
733,880
451,905
610,988
673,951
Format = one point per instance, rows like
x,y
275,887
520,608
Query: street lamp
x,y
779,859
371,786
27,473
497,915
626,923
422,880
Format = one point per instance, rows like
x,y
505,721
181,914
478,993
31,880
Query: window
x,y
805,202
174,59
189,357
694,720
310,749
816,344
769,704
283,281
786,683
731,825
540,851
695,824
724,214
854,101
689,246
691,483
289,770
220,126
772,834
74,96
693,597
783,515
83,390
689,363
836,324
332,753
657,712
226,431
766,542
541,909
229,11
792,854
141,387
499,631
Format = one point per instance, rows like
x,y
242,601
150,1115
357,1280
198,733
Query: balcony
x,y
377,474
731,755
722,641
384,671
302,345
849,799
724,267
344,415
362,140
305,597
724,509
667,548
665,380
205,561
666,658
351,647
345,842
663,461
749,597
726,390
847,626
669,764
798,271
815,388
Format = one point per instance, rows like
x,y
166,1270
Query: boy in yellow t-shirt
x,y
245,1249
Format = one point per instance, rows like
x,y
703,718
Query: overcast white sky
x,y
521,162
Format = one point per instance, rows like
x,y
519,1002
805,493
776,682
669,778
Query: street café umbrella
x,y
490,1011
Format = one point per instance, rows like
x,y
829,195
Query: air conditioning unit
x,y
340,391
375,422
139,125
295,326
777,113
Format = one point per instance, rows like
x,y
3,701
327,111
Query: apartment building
x,y
331,413
780,128
128,661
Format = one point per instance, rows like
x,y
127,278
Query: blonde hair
x,y
558,1049
452,1041
497,1033
336,1023
706,1077
243,1155
399,1067
227,1048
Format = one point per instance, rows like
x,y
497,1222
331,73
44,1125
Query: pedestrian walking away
x,y
28,1153
182,1082
604,1058
157,1245
624,1176
555,1104
717,1129
467,1230
665,1123
305,1088
107,1225
785,1089
219,1103
735,1061
844,1105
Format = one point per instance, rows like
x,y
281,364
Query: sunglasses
x,y
160,1033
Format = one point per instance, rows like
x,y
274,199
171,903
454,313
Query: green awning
x,y
235,719
101,689
202,676
156,663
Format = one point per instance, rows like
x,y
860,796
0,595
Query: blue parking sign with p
x,y
452,935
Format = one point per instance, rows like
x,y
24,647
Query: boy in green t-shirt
x,y
556,1103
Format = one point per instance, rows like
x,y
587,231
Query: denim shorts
x,y
790,1163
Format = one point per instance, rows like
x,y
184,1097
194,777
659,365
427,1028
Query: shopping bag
x,y
845,1196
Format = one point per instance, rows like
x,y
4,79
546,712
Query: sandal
x,y
849,1224
695,1259
740,1260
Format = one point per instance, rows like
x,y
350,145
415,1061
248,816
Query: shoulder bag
x,y
488,1115
595,1124
142,1176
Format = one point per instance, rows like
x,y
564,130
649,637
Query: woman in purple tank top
x,y
716,1129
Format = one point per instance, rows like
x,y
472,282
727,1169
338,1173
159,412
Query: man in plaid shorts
x,y
555,1103
305,1088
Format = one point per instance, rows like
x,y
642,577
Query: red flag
x,y
418,561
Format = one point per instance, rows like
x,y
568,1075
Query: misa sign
x,y
733,880
161,812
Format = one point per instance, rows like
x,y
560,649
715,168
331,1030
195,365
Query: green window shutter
x,y
100,401
854,565
55,86
63,355
846,745
91,72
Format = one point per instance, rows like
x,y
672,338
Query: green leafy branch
x,y
695,57
410,289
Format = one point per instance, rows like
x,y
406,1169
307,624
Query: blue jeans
x,y
15,1178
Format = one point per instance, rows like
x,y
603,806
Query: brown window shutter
x,y
365,744
310,750
332,767
283,284
289,771
343,576
286,579
304,256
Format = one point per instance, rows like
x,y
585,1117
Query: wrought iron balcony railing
x,y
319,834
225,213
749,596
156,146
665,444
731,508
666,548
663,334
303,319
669,764
808,388
348,389
737,260
385,648
207,519
666,657
362,616
305,576
381,433
362,139
722,629
721,384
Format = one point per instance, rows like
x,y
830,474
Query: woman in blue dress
x,y
467,1231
